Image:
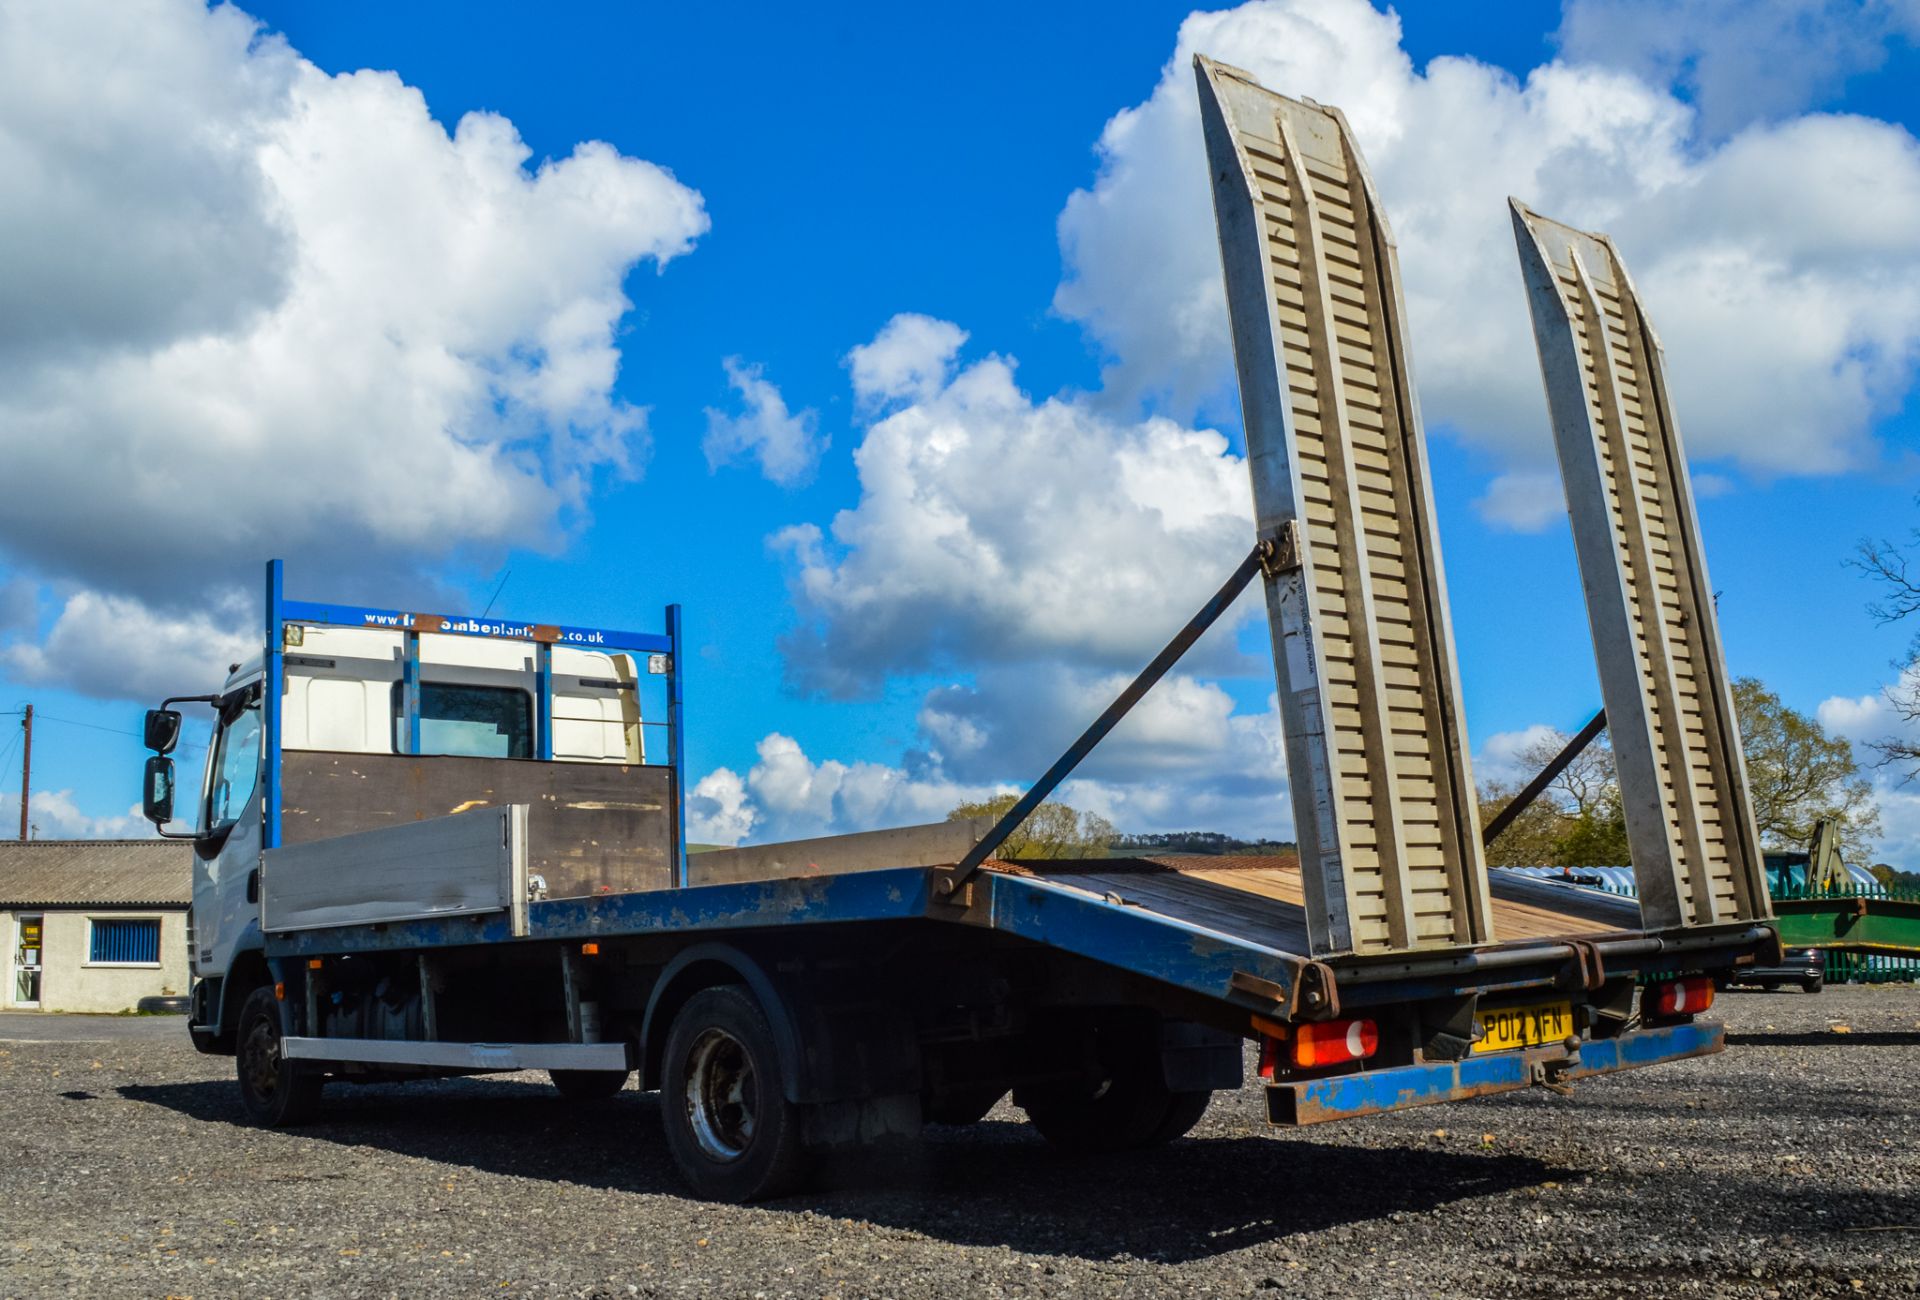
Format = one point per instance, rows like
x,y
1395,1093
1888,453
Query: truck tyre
x,y
1181,1116
729,1124
963,1106
276,1092
1124,1106
588,1085
1120,1114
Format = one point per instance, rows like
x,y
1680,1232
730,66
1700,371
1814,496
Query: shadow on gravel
x,y
1826,1038
969,1186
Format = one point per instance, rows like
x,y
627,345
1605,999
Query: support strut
x,y
1533,789
1266,553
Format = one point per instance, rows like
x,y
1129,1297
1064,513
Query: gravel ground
x,y
1790,1166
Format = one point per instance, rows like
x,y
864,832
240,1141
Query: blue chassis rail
x,y
1189,957
1186,956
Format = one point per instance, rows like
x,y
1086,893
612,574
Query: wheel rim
x,y
260,1060
720,1095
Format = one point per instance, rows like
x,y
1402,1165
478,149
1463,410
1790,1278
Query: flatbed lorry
x,y
431,845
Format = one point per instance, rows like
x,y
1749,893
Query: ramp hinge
x,y
1280,550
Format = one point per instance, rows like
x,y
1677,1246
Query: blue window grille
x,y
125,941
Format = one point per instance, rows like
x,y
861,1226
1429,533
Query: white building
x,y
93,925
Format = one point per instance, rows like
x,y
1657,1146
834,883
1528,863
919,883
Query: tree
x,y
1597,838
1895,880
1798,774
1529,840
1053,830
1576,821
1887,564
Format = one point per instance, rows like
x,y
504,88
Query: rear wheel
x,y
276,1091
1814,983
729,1125
1181,1116
588,1085
961,1106
1123,1106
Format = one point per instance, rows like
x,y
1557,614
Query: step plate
x,y
460,1056
1384,806
1670,716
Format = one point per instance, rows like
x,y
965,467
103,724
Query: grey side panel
x,y
461,1056
595,828
1669,702
471,864
1384,804
937,844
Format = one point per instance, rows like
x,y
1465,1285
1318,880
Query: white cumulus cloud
x,y
250,308
719,810
1781,267
1739,59
55,815
1525,501
786,444
800,798
911,357
995,528
1185,761
115,647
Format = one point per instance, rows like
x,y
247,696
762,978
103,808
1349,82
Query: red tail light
x,y
1333,1042
1682,997
1270,1051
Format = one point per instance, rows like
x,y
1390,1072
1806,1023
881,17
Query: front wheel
x,y
729,1124
276,1091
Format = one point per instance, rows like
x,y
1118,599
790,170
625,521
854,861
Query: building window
x,y
125,943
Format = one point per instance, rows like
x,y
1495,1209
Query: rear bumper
x,y
1316,1101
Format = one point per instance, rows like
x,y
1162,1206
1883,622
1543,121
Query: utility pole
x,y
26,770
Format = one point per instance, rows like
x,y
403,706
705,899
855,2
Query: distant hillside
x,y
1200,843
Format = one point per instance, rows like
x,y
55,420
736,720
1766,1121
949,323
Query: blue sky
x,y
879,160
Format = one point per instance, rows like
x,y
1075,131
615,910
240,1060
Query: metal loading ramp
x,y
1384,806
1669,704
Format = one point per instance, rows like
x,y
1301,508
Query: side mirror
x,y
163,730
156,800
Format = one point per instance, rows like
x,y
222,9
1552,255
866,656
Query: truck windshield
x,y
235,767
472,721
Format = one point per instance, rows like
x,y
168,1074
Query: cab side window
x,y
234,768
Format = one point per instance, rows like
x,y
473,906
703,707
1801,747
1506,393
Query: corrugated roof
x,y
54,873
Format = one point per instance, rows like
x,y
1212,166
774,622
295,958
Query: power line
x,y
94,726
496,593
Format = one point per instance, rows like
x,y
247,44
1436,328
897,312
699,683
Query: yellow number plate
x,y
1506,1028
